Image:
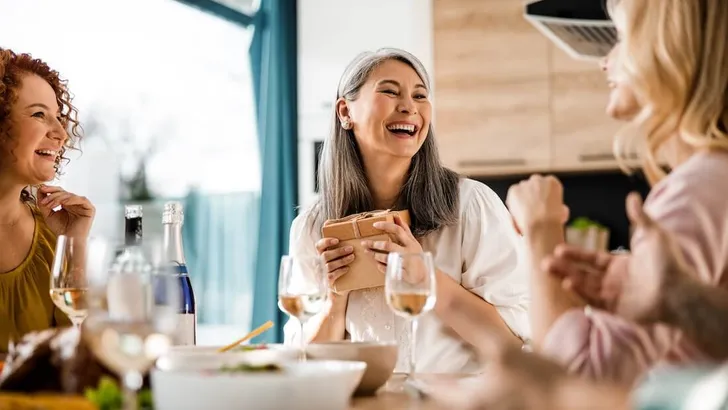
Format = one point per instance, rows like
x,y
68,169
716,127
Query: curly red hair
x,y
13,67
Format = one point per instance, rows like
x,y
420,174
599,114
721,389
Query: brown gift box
x,y
350,231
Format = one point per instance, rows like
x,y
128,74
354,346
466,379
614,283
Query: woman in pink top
x,y
669,79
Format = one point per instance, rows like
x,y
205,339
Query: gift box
x,y
350,231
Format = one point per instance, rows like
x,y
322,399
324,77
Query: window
x,y
158,84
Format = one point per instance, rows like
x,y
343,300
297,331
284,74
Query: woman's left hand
x,y
402,242
75,217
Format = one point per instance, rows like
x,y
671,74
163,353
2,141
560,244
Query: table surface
x,y
396,395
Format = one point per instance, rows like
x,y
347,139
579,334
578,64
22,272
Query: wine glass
x,y
137,322
302,290
69,282
410,290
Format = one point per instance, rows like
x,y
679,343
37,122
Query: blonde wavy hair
x,y
674,56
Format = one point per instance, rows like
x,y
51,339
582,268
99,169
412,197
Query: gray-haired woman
x,y
382,155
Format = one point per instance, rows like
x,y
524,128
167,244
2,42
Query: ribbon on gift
x,y
354,219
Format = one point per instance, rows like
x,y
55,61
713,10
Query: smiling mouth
x,y
403,130
47,154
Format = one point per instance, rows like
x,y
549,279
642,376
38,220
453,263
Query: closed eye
x,y
392,92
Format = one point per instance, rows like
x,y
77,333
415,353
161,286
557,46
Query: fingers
x,y
336,274
336,260
400,222
397,231
599,260
380,251
379,257
337,253
341,262
54,199
325,243
381,246
49,189
636,211
582,279
72,203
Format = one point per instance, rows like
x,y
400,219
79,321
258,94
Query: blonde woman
x,y
669,78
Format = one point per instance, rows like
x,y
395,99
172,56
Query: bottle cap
x,y
173,213
132,211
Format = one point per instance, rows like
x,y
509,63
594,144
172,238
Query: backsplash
x,y
598,196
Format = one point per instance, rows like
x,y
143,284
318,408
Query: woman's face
x,y
392,113
36,134
622,103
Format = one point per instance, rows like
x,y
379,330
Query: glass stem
x,y
132,382
302,356
413,348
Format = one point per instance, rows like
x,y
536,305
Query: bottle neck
x,y
133,231
173,248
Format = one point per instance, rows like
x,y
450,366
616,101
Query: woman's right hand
x,y
337,260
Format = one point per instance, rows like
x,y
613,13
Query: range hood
x,y
582,28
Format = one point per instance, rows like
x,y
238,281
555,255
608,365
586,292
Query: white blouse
x,y
482,252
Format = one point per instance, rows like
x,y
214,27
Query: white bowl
x,y
325,385
207,357
380,357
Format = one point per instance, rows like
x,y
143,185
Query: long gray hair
x,y
430,192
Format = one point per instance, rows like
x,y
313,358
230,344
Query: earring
x,y
345,124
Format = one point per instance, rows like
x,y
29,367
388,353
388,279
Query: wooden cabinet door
x,y
582,134
491,88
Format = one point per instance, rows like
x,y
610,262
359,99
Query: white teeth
x,y
47,152
403,127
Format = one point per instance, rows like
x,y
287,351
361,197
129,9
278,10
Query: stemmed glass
x,y
302,290
410,291
136,322
69,283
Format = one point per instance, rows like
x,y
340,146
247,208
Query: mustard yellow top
x,y
25,301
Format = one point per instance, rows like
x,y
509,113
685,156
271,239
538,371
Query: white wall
x,y
330,34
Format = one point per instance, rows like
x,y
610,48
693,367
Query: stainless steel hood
x,y
582,28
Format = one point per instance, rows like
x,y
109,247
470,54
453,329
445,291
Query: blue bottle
x,y
174,255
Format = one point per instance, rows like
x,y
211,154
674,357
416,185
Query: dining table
x,y
398,394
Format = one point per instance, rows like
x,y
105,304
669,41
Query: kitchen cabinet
x,y
582,134
508,100
492,85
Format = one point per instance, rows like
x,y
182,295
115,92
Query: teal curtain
x,y
273,55
220,234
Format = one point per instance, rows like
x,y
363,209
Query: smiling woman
x,y
37,125
382,154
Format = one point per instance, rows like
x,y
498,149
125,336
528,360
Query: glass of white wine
x,y
410,290
69,283
302,290
137,322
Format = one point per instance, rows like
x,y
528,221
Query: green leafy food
x,y
245,367
249,348
108,396
584,223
